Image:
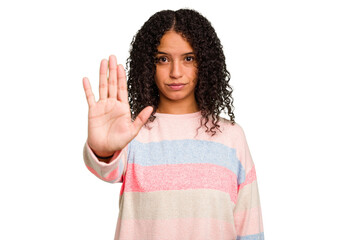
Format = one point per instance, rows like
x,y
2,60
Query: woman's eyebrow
x,y
169,54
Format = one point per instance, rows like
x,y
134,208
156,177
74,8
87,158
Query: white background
x,y
295,68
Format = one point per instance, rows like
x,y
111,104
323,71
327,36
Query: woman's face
x,y
176,71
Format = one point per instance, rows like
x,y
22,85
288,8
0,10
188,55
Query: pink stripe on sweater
x,y
179,177
250,177
93,172
111,177
248,221
175,229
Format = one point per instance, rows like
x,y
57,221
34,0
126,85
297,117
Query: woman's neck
x,y
177,110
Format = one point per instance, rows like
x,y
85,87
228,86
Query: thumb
x,y
141,119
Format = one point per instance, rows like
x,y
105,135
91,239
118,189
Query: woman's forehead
x,y
173,43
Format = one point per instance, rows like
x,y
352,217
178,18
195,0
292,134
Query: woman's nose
x,y
175,69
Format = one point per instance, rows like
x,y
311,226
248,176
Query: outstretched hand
x,y
109,123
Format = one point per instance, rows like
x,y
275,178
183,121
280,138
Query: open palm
x,y
110,127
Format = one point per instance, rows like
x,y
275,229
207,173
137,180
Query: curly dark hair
x,y
212,92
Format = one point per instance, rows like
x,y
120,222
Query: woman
x,y
181,179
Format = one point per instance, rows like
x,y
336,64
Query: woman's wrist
x,y
100,157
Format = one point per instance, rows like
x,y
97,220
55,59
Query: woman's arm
x,y
247,212
110,126
111,170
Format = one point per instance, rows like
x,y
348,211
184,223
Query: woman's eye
x,y
189,58
161,59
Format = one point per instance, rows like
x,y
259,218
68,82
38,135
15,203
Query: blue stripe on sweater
x,y
259,236
185,151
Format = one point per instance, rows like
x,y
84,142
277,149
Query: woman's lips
x,y
176,86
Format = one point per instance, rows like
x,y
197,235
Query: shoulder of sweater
x,y
235,132
232,127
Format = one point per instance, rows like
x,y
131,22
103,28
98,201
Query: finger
x,y
122,86
112,76
141,119
103,86
88,92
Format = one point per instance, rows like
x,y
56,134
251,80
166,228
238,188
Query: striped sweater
x,y
178,183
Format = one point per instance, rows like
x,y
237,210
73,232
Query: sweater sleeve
x,y
247,211
111,172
